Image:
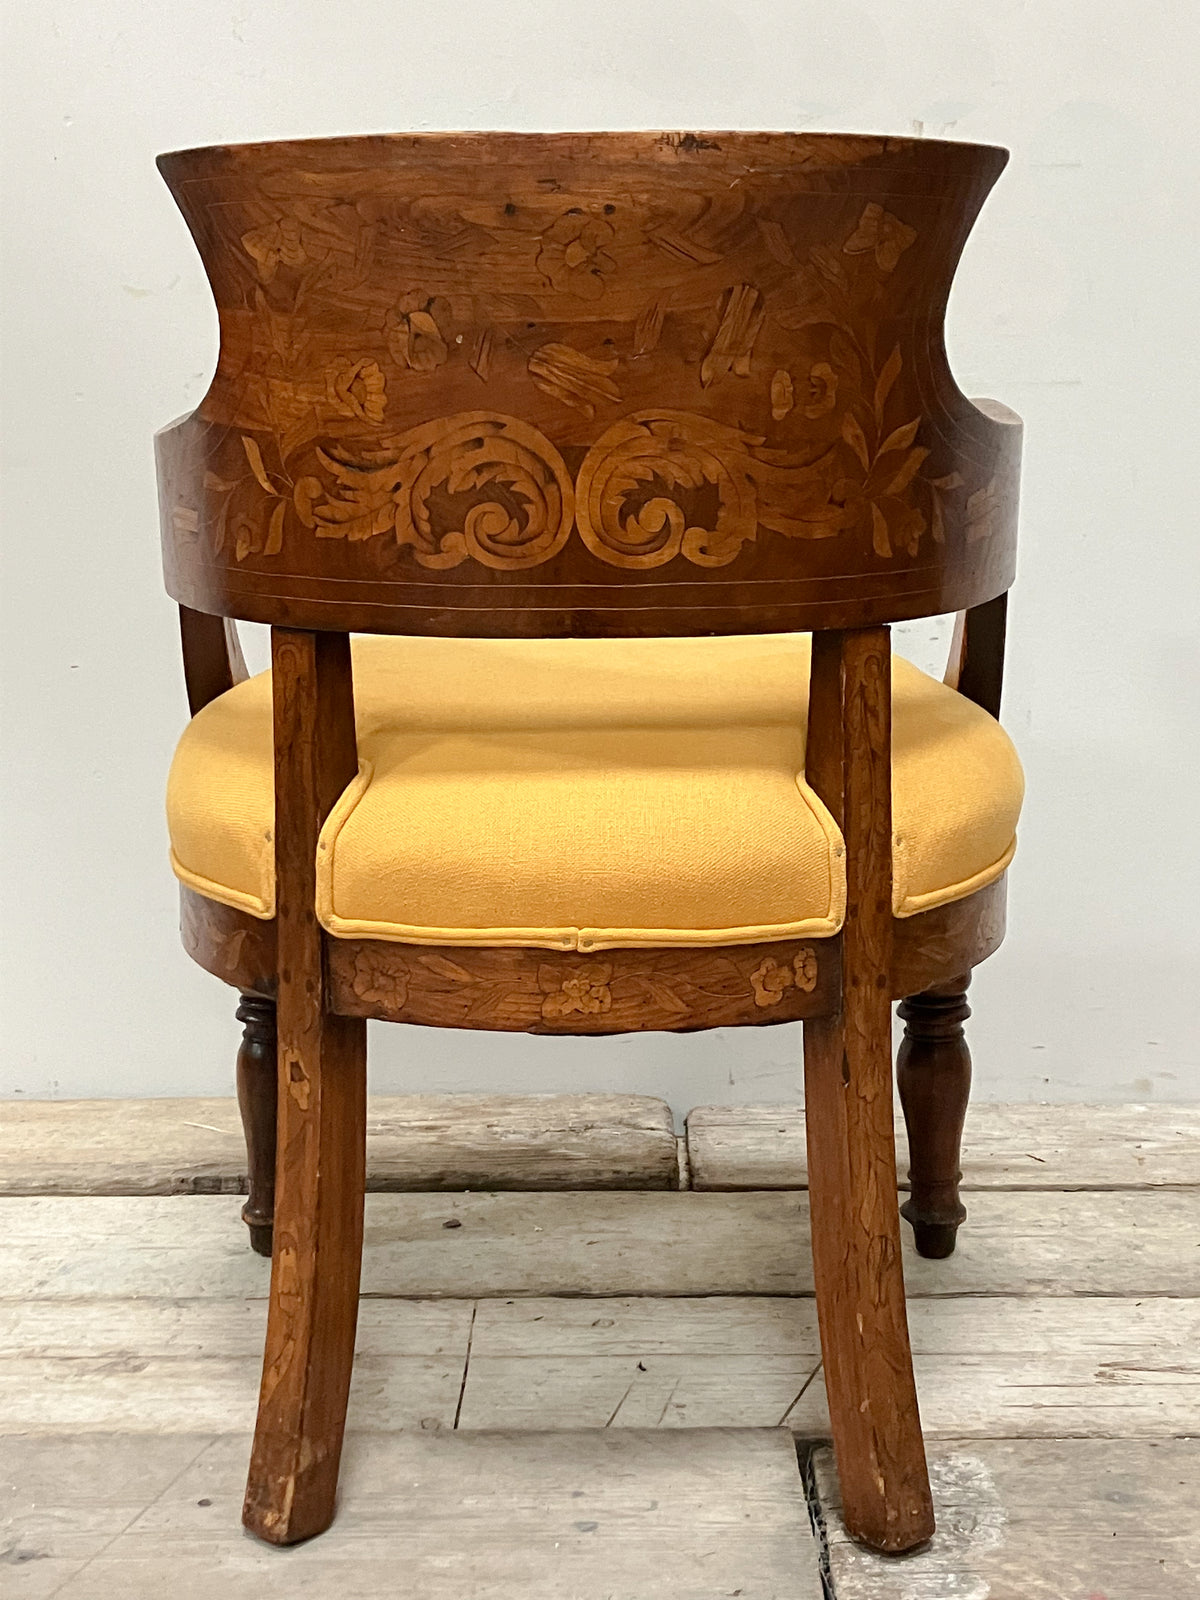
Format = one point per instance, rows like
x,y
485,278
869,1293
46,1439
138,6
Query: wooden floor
x,y
608,1395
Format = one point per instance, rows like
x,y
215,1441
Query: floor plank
x,y
414,1142
63,1503
1004,1147
590,1516
153,1366
487,1245
1039,1520
986,1367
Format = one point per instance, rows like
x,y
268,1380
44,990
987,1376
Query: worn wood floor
x,y
608,1395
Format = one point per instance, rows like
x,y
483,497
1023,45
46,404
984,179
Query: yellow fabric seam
x,y
264,910
959,890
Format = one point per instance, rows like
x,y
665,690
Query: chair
x,y
589,433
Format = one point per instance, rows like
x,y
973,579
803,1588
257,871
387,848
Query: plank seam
x,y
462,1388
805,1455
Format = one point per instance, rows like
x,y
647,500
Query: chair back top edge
x,y
590,384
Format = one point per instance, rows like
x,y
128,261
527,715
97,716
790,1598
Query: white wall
x,y
1076,305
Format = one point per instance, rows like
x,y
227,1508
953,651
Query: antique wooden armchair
x,y
591,431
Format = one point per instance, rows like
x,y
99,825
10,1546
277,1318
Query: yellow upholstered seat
x,y
591,793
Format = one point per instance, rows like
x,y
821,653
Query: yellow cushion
x,y
591,793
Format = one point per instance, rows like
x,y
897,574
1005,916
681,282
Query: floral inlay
x,y
585,991
357,389
413,337
822,390
881,234
282,243
380,980
573,256
772,979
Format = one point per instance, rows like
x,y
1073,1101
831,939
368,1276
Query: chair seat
x,y
591,793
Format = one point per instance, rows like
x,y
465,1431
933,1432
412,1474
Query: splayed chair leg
x,y
857,1268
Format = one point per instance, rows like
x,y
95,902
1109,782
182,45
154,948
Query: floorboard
x,y
414,1142
435,1516
1004,1147
986,1367
486,1245
1038,1520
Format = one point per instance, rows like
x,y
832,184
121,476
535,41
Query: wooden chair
x,y
591,430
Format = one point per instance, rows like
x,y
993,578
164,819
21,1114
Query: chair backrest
x,y
585,384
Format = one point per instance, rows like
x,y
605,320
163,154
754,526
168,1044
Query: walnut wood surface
x,y
507,990
321,1162
848,1097
212,656
976,664
601,384
933,1072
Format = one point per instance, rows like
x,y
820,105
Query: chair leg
x,y
256,1092
860,1286
933,1069
315,1268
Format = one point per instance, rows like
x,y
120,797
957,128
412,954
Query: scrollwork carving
x,y
648,482
504,496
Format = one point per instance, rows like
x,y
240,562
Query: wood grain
x,y
320,1168
848,1094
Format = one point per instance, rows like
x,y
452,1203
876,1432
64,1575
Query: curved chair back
x,y
601,384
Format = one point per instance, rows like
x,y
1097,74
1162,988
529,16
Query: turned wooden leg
x,y
933,1069
256,1082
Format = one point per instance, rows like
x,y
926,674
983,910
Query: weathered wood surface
x,y
1097,1367
985,1367
601,1244
149,1366
1004,1147
618,1515
414,1142
1039,1520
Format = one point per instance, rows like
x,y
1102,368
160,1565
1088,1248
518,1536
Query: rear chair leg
x,y
256,1083
313,1310
860,1285
933,1069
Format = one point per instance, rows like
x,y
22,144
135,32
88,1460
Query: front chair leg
x,y
933,1070
256,1082
313,1311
